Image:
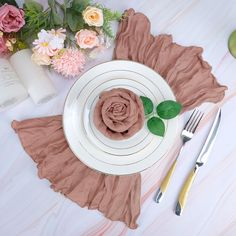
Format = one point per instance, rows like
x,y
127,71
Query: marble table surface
x,y
29,207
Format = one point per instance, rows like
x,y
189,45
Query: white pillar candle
x,y
33,76
11,88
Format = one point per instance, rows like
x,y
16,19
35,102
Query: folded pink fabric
x,y
119,113
118,197
183,68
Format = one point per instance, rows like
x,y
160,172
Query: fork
x,y
186,135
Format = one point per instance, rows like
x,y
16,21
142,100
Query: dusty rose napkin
x,y
182,67
118,197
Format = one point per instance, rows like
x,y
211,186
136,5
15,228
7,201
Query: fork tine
x,y
196,125
195,122
190,119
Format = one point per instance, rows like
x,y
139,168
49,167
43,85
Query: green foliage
x,y
168,109
108,17
56,19
10,2
107,30
147,105
21,45
156,126
66,14
33,6
36,19
74,20
73,13
79,5
51,3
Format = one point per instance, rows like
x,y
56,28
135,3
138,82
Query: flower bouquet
x,y
63,35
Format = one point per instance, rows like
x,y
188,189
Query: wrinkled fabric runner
x,y
183,68
118,197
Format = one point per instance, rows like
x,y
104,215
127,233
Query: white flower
x,y
57,43
47,43
42,44
60,33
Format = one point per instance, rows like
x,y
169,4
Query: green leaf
x,y
33,6
80,5
10,2
51,3
232,44
168,109
147,105
107,29
156,126
67,3
74,20
21,45
109,15
57,20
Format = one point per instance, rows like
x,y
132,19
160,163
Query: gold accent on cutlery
x,y
185,191
187,134
165,182
201,160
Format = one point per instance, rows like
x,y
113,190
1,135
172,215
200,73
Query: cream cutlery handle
x,y
165,183
183,195
166,180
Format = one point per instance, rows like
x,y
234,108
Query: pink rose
x,y
3,48
11,18
87,38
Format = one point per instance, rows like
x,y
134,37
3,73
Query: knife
x,y
201,160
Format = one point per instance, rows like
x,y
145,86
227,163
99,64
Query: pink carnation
x,y
70,62
11,18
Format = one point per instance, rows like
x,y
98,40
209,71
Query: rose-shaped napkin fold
x,y
119,114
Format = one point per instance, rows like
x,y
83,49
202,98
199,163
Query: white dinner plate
x,y
94,149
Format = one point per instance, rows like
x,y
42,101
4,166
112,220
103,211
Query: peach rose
x,y
118,114
11,18
87,38
93,16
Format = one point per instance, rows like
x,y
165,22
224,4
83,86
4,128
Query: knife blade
x,y
206,149
201,160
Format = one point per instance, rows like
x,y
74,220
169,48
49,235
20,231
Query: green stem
x,y
60,5
63,9
65,17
